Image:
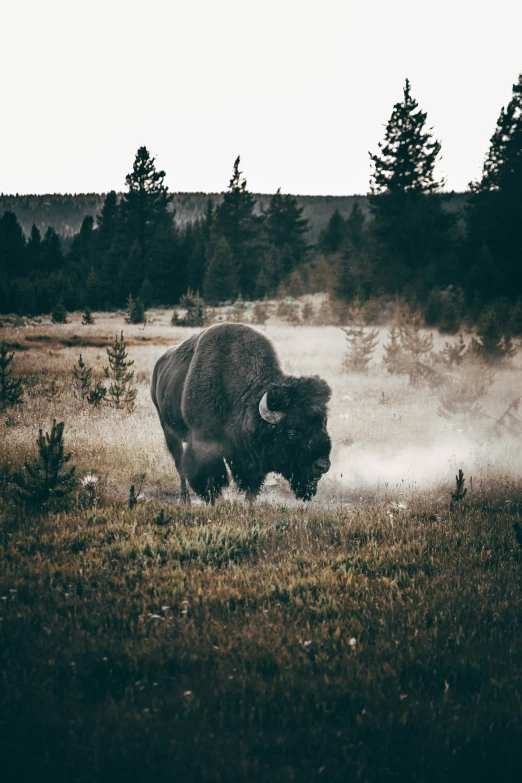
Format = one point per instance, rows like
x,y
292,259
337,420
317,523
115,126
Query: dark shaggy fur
x,y
207,392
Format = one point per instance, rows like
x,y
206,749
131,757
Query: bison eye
x,y
292,434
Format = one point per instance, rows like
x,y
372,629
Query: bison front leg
x,y
247,478
205,470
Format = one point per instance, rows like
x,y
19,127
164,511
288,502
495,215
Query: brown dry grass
x,y
373,634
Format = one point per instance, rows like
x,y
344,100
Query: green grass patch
x,y
265,643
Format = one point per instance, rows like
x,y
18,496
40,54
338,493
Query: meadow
x,y
373,633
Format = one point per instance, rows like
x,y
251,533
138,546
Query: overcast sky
x,y
301,90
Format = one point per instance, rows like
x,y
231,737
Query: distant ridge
x,y
65,212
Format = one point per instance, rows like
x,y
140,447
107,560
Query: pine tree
x,y
432,310
344,286
195,243
11,390
82,248
165,265
121,392
361,345
87,319
59,313
34,250
496,206
407,158
82,379
196,314
494,346
450,316
13,248
135,311
146,293
132,270
286,228
221,283
45,478
52,253
236,221
361,342
93,291
145,205
355,234
332,237
260,313
107,223
393,357
416,348
295,286
96,395
413,234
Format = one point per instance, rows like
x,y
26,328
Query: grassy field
x,y
373,634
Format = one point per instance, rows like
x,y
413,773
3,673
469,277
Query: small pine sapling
x,y
507,423
361,345
260,313
194,304
459,396
87,318
46,478
135,311
308,312
493,345
393,357
11,390
288,312
121,392
82,379
96,395
460,491
417,347
59,313
134,495
453,354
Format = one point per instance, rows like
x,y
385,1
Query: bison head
x,y
299,445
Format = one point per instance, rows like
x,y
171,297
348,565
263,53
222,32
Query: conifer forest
x,y
369,632
453,255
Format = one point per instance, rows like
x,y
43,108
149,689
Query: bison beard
x,y
222,393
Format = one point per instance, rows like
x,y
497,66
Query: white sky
x,y
301,90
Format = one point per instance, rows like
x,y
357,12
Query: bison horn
x,y
272,417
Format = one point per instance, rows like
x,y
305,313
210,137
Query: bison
x,y
223,394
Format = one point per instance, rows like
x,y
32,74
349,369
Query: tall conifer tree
x,y
145,205
413,233
496,208
286,228
236,221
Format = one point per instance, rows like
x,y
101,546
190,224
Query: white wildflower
x,y
90,480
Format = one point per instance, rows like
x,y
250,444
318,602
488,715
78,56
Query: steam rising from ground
x,y
403,446
387,472
417,467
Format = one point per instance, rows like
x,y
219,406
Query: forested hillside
x,y
65,212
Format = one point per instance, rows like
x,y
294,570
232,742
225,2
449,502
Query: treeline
x,y
65,212
450,263
135,247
